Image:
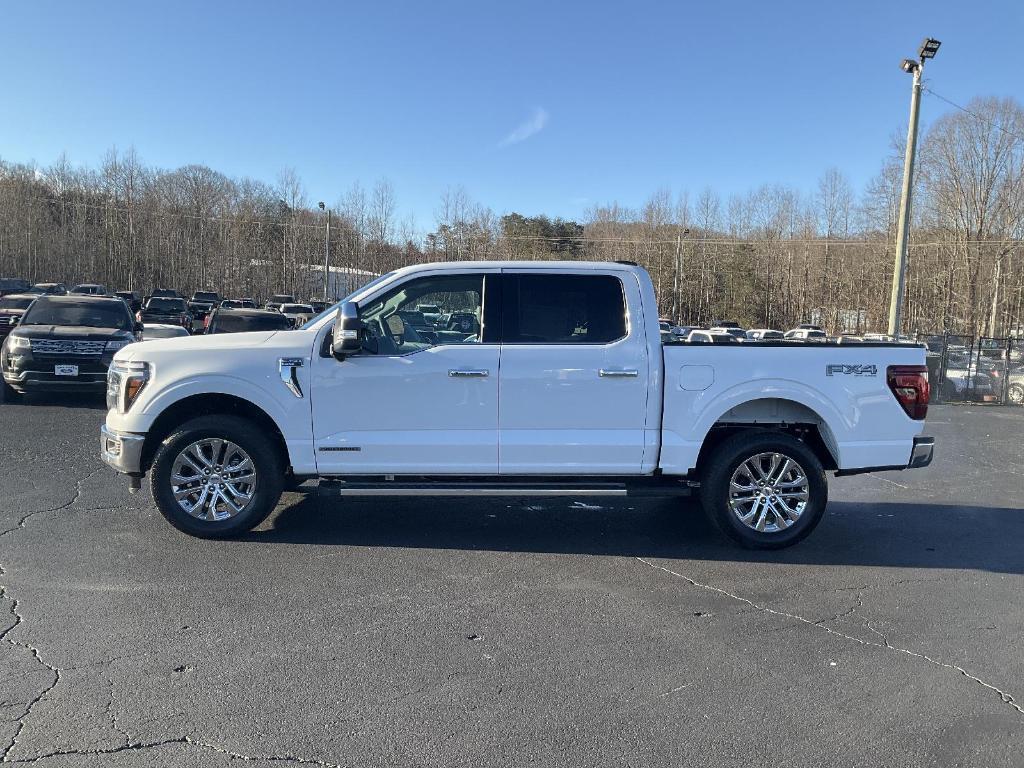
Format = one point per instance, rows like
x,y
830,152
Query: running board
x,y
339,487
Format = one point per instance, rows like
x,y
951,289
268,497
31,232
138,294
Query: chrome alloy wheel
x,y
213,479
768,492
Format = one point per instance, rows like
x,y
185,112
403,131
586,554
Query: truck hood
x,y
196,347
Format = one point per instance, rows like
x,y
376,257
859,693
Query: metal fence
x,y
975,369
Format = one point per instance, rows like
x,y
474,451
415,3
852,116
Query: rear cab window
x,y
562,309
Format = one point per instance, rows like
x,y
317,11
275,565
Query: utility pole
x,y
899,273
327,249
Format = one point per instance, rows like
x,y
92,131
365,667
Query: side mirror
x,y
347,331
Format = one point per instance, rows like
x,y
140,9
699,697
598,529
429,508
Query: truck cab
x,y
558,383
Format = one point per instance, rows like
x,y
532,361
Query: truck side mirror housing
x,y
347,331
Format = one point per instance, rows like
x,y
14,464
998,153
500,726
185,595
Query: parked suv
x,y
12,307
166,310
275,301
66,342
49,289
10,285
89,289
225,320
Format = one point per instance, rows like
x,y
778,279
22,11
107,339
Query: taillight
x,y
206,321
909,384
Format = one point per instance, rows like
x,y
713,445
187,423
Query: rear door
x,y
574,375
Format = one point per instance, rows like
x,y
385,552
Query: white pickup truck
x,y
534,379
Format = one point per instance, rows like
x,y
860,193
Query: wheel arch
x,y
781,414
208,404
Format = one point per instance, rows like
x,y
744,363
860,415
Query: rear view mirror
x,y
347,331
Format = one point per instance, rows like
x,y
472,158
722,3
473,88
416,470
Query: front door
x,y
422,398
574,374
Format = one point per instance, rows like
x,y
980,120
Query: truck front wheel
x,y
764,490
216,477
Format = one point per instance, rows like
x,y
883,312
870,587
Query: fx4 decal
x,y
851,370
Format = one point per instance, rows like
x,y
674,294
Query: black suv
x,y
49,289
10,285
12,307
203,303
66,343
165,310
239,320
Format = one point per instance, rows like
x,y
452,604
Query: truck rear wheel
x,y
216,477
764,490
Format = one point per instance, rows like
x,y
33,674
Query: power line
x,y
974,114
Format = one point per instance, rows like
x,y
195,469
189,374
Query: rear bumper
x,y
920,456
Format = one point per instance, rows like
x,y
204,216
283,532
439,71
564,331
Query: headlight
x,y
113,346
19,342
124,383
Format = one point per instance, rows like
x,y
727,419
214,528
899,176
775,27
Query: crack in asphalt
x,y
75,497
109,710
144,745
1006,698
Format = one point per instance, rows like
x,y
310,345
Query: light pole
x,y
899,273
327,248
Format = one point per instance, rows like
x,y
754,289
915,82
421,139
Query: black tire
x,y
717,473
267,463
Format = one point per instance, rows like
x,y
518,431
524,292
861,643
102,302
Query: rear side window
x,y
563,309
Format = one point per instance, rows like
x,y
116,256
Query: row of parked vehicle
x,y
56,338
730,332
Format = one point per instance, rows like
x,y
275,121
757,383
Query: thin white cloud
x,y
529,127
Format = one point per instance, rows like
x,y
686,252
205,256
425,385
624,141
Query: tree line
x,y
772,257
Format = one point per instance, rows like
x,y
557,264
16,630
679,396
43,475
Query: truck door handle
x,y
605,373
465,374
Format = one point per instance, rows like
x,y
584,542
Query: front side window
x,y
563,309
397,325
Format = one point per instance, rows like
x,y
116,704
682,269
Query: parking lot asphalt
x,y
574,632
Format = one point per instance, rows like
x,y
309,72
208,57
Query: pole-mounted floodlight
x,y
929,48
899,274
322,206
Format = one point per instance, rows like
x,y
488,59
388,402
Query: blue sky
x,y
537,107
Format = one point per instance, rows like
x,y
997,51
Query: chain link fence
x,y
979,369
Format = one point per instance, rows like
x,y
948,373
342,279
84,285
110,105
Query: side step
x,y
366,487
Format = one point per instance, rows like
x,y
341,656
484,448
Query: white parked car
x,y
564,389
805,334
737,333
764,334
298,314
713,336
152,331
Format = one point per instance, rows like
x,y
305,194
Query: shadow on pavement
x,y
888,535
89,400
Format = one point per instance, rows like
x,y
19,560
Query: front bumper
x,y
122,450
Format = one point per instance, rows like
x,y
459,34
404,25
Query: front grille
x,y
67,347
